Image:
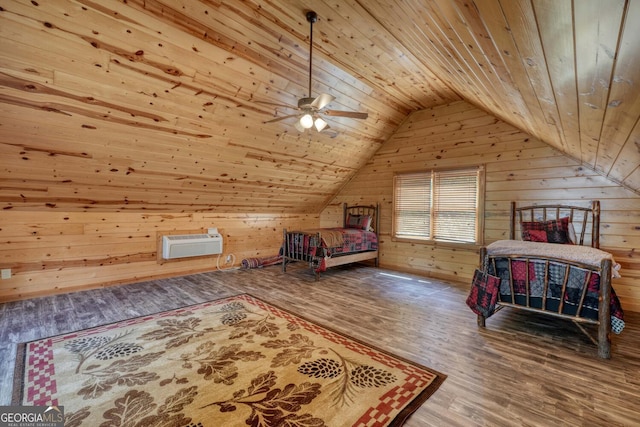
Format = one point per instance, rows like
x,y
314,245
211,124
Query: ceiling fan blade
x,y
350,114
321,101
280,118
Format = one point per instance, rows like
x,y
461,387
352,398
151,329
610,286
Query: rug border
x,y
419,400
21,348
18,373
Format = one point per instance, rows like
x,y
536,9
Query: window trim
x,y
480,211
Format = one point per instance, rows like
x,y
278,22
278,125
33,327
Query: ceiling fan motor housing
x,y
312,17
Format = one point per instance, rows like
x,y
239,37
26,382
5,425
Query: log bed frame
x,y
293,251
588,216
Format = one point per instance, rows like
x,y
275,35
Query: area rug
x,y
235,361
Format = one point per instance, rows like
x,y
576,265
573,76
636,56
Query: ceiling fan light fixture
x,y
310,107
320,124
306,121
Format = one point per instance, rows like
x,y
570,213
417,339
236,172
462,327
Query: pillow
x,y
553,231
361,222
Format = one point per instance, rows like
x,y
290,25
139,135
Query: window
x,y
438,205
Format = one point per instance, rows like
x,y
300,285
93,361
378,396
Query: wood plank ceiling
x,y
160,104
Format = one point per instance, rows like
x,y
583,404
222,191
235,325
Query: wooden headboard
x,y
586,221
372,211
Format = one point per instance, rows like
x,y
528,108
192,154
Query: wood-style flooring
x,y
523,369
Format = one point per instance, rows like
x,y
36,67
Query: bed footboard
x,y
550,286
300,246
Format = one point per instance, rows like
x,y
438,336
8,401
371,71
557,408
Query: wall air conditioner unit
x,y
190,245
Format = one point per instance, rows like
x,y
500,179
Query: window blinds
x,y
412,206
437,205
455,200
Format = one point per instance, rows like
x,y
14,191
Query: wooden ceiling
x,y
160,104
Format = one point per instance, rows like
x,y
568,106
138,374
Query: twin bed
x,y
323,248
557,268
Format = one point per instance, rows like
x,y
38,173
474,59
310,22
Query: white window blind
x,y
412,206
437,205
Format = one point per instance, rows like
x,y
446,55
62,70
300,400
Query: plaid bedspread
x,y
353,241
575,282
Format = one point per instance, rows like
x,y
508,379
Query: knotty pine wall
x,y
518,167
61,252
55,252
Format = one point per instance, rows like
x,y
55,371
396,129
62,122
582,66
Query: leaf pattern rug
x,y
237,361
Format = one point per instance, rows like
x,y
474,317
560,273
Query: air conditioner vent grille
x,y
188,237
191,245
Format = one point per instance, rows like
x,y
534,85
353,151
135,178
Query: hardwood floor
x,y
523,369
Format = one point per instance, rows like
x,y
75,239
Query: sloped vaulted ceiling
x,y
160,104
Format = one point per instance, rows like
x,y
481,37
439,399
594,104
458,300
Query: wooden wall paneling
x,y
627,168
379,52
551,182
444,25
524,30
132,169
475,40
449,61
198,67
444,128
596,37
634,177
559,53
498,33
266,39
25,232
436,159
81,250
195,20
523,169
147,97
430,261
560,194
126,39
23,22
624,108
68,277
150,106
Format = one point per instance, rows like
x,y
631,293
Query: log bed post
x,y
512,219
482,321
604,311
344,215
595,224
285,245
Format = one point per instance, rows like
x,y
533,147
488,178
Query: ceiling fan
x,y
311,109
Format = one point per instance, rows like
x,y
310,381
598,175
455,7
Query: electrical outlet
x,y
228,259
6,273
